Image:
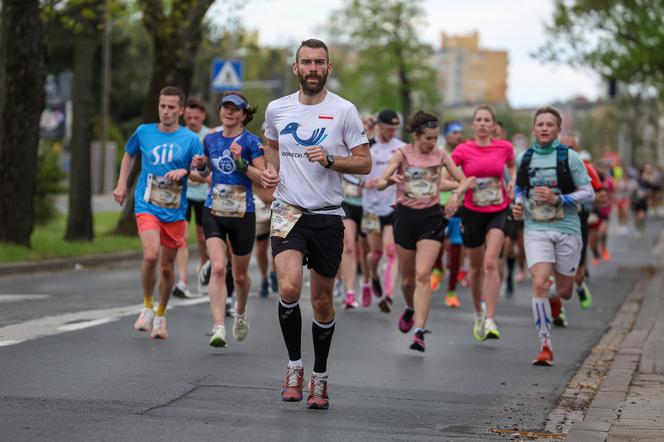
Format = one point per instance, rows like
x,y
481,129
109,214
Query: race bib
x,y
421,182
262,211
488,192
541,211
370,223
163,192
229,201
284,218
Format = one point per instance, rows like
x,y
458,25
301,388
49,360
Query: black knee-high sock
x,y
290,320
322,333
510,272
230,287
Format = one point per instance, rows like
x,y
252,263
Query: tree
x,y
22,76
83,17
386,64
175,29
620,39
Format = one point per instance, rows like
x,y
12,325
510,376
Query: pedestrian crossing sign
x,y
226,75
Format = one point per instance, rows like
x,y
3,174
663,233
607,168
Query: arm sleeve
x,y
583,194
270,129
354,134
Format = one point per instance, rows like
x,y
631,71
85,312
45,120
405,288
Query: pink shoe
x,y
291,390
366,296
349,302
406,320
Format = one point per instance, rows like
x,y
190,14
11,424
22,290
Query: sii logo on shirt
x,y
164,153
315,139
225,163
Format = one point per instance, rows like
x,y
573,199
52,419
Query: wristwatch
x,y
330,161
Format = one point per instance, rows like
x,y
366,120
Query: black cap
x,y
388,116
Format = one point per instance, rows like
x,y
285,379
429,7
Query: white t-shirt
x,y
380,202
333,124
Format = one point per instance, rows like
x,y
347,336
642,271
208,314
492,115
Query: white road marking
x,y
16,298
56,324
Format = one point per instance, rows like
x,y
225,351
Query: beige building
x,y
468,74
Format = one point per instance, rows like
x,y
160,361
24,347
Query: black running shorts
x,y
475,226
583,219
240,231
413,225
354,213
197,208
320,238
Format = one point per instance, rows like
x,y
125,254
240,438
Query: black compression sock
x,y
322,334
290,320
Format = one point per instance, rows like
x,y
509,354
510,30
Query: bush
x,y
49,183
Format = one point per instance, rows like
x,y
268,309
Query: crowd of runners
x,y
364,211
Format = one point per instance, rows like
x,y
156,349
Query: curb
x,y
75,263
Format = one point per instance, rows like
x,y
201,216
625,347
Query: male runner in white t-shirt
x,y
313,137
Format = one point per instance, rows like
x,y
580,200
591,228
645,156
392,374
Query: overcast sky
x,y
512,25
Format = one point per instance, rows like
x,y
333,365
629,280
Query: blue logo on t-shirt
x,y
315,139
224,163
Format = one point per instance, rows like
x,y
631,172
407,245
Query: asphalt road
x,y
74,369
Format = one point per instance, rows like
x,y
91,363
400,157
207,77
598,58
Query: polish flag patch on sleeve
x,y
325,117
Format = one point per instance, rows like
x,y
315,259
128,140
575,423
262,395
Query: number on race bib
x,y
421,182
229,201
163,192
284,218
488,192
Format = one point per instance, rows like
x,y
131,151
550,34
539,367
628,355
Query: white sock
x,y
319,374
297,363
542,316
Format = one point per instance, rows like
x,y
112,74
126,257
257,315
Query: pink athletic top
x,y
421,186
487,165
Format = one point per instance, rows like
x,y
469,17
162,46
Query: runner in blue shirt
x,y
166,150
235,156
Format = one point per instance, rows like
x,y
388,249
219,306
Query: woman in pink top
x,y
419,224
484,214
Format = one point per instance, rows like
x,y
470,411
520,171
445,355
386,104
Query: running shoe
x,y
606,256
585,297
318,399
291,390
561,319
265,288
218,338
349,302
366,291
159,328
274,285
181,290
462,278
230,310
478,327
240,327
490,329
545,357
376,288
366,297
385,304
338,290
418,340
144,321
435,278
452,300
406,320
204,277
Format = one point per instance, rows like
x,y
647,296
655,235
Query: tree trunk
x,y
79,220
22,77
175,39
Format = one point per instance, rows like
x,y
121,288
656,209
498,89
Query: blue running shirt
x,y
217,148
162,152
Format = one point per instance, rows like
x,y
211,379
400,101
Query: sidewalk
x,y
629,404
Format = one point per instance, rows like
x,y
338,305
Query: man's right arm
x,y
272,154
120,192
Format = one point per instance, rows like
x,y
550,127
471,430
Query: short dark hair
x,y
548,110
172,91
420,121
312,43
195,103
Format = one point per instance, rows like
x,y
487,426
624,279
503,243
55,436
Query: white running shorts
x,y
561,249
